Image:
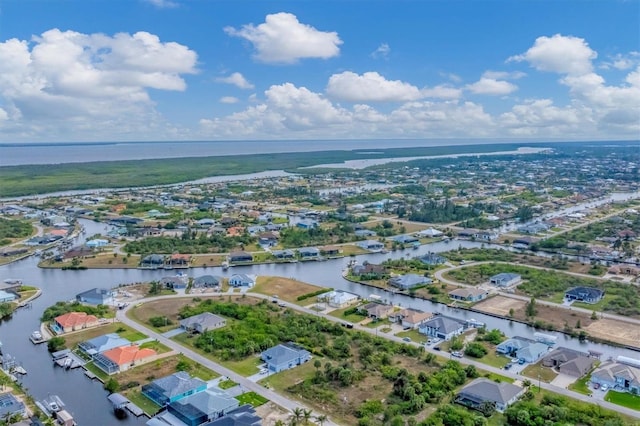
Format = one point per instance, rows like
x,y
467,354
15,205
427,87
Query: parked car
x,y
604,388
521,361
508,366
406,339
457,354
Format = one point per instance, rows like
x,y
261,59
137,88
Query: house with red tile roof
x,y
72,321
122,358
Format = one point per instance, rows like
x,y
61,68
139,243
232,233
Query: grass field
x,y
74,338
136,396
538,371
286,289
624,399
227,384
581,386
252,398
156,346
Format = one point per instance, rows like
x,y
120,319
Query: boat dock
x,y
120,402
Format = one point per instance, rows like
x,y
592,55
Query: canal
x,y
86,399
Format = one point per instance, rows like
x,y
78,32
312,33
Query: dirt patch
x,y
285,288
500,305
161,308
271,413
620,332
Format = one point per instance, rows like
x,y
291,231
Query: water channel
x,y
86,400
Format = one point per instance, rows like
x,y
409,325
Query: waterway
x,y
86,400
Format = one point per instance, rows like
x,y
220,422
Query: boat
x,y
51,405
20,370
36,337
225,265
67,363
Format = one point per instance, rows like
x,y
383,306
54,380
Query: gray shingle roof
x,y
487,390
178,383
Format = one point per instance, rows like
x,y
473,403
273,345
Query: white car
x,y
604,388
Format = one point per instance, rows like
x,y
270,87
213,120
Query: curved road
x,y
290,405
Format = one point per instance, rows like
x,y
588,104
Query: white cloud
x,y
503,75
163,4
283,39
369,87
237,80
442,91
490,86
540,117
85,83
561,54
381,52
622,62
229,100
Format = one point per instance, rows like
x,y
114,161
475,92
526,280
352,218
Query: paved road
x,y
246,384
440,276
290,405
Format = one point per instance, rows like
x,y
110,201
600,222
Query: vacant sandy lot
x,y
285,288
621,332
500,305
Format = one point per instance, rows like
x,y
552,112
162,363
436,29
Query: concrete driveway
x,y
563,380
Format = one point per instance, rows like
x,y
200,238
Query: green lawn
x,y
581,386
227,384
414,335
142,401
498,378
156,346
252,398
624,399
95,370
494,360
353,318
132,335
538,371
246,367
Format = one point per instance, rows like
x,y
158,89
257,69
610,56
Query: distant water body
x,y
57,153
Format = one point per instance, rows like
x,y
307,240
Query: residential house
x,y
73,321
622,377
240,256
122,358
152,261
624,269
96,296
178,260
371,270
175,282
330,251
409,281
405,239
364,233
513,345
483,390
98,242
268,239
338,298
206,223
173,388
102,344
206,281
584,294
307,224
6,296
468,294
432,259
242,280
522,243
376,311
202,322
569,361
201,407
532,352
284,356
441,327
505,279
307,253
284,254
410,318
371,245
10,406
244,415
429,233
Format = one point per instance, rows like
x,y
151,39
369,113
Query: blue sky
x,y
102,70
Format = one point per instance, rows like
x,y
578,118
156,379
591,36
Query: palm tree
x,y
321,419
306,415
297,415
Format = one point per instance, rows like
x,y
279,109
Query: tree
x,y
530,309
317,364
306,415
56,343
321,419
594,316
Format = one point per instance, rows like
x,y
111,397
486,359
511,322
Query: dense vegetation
x,y
6,309
61,308
35,179
13,228
297,237
189,242
443,212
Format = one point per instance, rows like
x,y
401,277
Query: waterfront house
x,y
202,322
330,251
371,270
73,321
505,279
6,296
152,261
175,282
244,415
364,233
409,281
441,327
284,356
102,343
173,388
376,311
532,352
409,317
511,346
97,243
432,259
96,296
569,361
284,254
405,239
584,294
468,294
178,260
338,298
429,233
240,256
618,376
242,280
371,245
10,406
206,281
122,358
201,407
482,390
307,253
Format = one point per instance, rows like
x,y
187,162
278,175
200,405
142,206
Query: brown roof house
x,y
410,317
376,311
72,321
568,361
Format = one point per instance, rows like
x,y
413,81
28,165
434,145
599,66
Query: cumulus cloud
x,y
369,87
89,78
283,39
490,86
229,100
163,4
538,117
561,54
504,75
382,52
237,80
622,62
